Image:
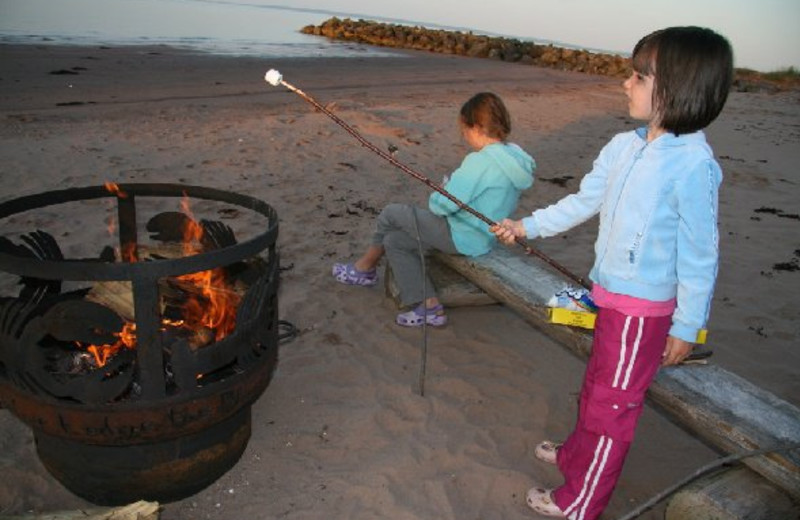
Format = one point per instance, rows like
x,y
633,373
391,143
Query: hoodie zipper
x,y
633,250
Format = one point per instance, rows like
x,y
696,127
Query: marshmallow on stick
x,y
273,77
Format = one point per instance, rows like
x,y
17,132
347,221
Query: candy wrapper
x,y
573,299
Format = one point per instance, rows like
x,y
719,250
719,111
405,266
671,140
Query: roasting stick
x,y
275,78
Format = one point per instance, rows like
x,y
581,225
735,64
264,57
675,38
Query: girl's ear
x,y
479,129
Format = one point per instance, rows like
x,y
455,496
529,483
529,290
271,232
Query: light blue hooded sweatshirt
x,y
658,237
490,181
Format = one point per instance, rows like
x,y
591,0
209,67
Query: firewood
x,y
168,250
190,288
141,510
117,296
174,291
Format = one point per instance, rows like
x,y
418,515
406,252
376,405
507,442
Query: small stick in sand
x,y
275,78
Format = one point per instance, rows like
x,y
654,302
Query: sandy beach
x,y
341,432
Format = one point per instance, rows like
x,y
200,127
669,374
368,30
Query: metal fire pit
x,y
159,422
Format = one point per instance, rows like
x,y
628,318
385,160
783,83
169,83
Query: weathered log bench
x,y
723,409
137,511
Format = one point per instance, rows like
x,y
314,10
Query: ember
x,y
136,369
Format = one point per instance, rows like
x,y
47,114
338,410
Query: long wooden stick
x,y
274,78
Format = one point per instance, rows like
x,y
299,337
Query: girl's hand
x,y
676,351
508,231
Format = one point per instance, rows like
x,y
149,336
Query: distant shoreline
x,y
515,50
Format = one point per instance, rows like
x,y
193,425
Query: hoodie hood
x,y
514,162
669,140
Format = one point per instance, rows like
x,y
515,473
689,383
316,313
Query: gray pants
x,y
396,231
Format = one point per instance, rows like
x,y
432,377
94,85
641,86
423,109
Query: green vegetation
x,y
787,74
748,80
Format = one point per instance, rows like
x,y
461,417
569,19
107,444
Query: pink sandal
x,y
541,501
435,316
547,451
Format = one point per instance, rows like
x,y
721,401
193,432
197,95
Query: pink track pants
x,y
626,354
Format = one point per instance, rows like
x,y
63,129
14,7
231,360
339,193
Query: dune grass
x,y
782,79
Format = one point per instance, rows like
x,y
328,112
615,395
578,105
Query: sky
x,y
765,34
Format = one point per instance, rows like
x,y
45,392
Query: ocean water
x,y
231,27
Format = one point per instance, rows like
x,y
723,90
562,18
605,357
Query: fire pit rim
x,y
77,270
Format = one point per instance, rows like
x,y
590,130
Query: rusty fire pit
x,y
166,412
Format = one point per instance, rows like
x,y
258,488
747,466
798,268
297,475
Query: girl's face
x,y
639,89
473,135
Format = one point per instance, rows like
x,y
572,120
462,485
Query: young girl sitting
x,y
656,254
489,180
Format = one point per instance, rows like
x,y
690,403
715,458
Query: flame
x,y
127,339
213,306
114,188
216,309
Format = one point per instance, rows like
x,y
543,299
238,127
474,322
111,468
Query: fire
x,y
216,310
211,301
127,339
115,189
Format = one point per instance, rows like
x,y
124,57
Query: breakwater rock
x,y
469,44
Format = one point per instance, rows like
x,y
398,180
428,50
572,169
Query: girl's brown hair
x,y
693,69
487,111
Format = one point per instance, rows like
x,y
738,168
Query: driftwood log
x,y
452,289
723,409
720,496
137,511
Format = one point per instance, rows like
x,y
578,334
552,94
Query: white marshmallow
x,y
273,77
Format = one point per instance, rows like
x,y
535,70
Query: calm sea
x,y
234,27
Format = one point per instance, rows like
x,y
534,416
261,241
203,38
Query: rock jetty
x,y
469,44
514,50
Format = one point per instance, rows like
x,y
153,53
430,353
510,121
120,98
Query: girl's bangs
x,y
644,60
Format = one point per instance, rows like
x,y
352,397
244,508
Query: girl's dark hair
x,y
693,68
487,111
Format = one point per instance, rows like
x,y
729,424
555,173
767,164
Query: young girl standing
x,y
489,180
656,254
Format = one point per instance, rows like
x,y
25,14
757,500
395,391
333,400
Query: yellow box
x,y
586,320
573,318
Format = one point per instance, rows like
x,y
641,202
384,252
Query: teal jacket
x,y
490,181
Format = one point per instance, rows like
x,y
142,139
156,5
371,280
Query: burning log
x,y
180,303
117,296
